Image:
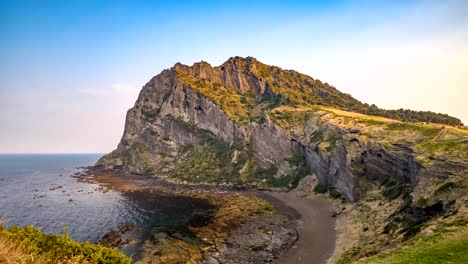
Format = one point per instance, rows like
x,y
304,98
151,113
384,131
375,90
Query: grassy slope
x,y
30,245
448,245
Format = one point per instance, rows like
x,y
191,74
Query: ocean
x,y
40,190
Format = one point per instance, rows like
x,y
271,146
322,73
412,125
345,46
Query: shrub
x,y
319,188
51,248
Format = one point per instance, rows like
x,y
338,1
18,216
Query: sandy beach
x,y
315,225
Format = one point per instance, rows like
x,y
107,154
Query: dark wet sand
x,y
316,227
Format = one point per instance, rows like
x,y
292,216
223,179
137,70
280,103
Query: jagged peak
x,y
232,61
180,67
235,59
239,61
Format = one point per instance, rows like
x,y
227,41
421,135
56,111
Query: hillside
x,y
247,123
263,87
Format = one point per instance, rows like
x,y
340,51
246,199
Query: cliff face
x,y
245,122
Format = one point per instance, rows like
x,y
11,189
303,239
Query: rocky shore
x,y
242,228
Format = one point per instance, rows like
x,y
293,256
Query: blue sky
x,y
69,70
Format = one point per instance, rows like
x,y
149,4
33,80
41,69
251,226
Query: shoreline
x,y
304,226
314,223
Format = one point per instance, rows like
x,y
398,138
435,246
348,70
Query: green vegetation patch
x,y
298,163
424,130
393,189
444,246
291,120
431,146
209,161
332,192
331,138
136,157
269,176
50,248
445,187
229,99
150,114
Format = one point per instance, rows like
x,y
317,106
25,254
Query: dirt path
x,y
316,227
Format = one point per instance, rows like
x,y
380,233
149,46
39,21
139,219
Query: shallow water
x,y
40,190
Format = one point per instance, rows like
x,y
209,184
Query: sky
x,y
69,70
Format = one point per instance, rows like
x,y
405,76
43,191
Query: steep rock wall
x,y
168,113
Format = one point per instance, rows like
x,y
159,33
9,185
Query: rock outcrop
x,y
261,123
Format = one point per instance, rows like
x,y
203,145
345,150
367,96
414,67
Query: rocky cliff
x,y
245,122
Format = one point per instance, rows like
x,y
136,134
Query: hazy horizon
x,y
71,69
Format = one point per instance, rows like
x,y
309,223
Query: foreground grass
x,y
445,246
30,245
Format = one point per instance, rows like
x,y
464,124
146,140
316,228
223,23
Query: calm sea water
x,y
39,190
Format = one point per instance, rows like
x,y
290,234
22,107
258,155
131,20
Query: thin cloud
x,y
116,88
94,92
124,88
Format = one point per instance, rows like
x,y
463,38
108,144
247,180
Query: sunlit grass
x,y
449,246
30,245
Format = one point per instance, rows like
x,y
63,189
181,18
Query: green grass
x,y
431,146
209,161
424,130
370,122
49,248
332,138
291,120
445,246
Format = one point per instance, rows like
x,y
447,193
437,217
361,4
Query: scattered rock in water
x,y
111,239
125,227
38,196
114,237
